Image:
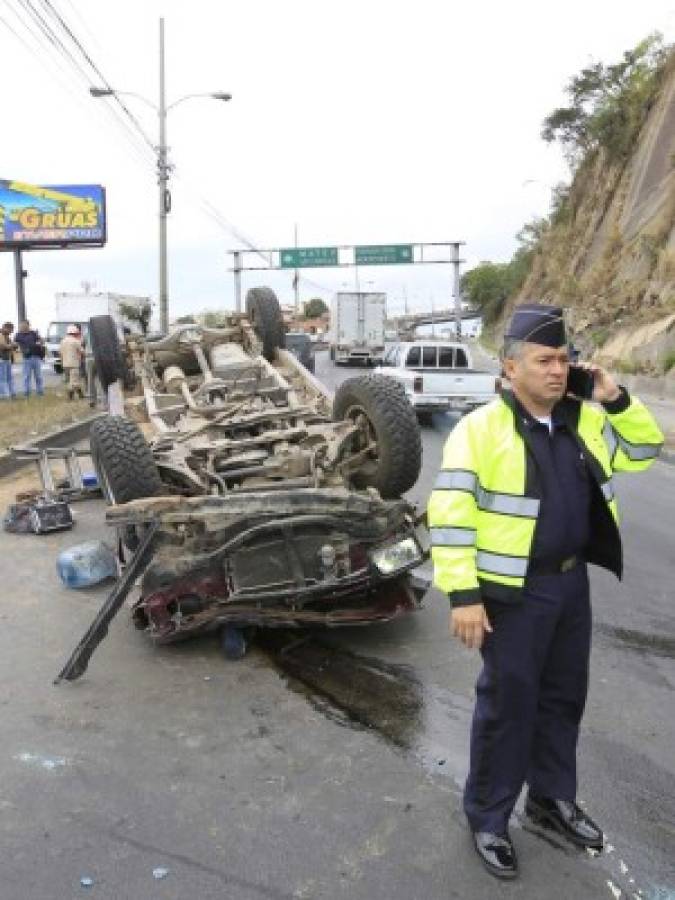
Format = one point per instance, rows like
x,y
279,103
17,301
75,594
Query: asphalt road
x,y
331,770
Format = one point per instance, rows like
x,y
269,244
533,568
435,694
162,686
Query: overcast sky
x,y
363,122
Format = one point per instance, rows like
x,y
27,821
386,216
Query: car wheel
x,y
105,345
124,463
386,419
264,313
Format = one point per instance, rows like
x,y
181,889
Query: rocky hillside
x,y
608,251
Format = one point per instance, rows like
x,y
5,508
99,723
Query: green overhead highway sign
x,y
299,257
383,254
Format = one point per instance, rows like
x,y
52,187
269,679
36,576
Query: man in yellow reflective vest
x,y
523,501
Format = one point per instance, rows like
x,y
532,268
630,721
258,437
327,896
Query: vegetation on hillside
x,y
608,104
489,285
597,131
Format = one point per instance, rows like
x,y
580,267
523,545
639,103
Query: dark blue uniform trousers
x,y
530,698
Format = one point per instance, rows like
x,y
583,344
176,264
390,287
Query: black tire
x,y
381,406
425,418
124,463
264,313
105,345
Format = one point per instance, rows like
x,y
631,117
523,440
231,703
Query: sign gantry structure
x,y
351,256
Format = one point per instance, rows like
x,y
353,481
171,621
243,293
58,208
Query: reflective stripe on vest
x,y
488,501
609,436
608,490
453,537
497,564
457,480
507,504
636,452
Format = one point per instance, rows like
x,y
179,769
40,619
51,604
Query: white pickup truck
x,y
438,376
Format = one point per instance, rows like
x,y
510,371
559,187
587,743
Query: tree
x,y
490,284
487,286
608,104
315,308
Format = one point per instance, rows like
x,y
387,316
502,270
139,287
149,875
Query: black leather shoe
x,y
566,818
496,853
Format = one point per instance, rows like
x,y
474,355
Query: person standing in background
x,y
7,345
33,352
71,357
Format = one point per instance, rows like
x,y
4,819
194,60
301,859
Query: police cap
x,y
537,324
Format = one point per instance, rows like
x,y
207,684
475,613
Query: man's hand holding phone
x,y
592,382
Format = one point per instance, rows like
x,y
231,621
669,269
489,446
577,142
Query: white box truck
x,y
357,328
78,308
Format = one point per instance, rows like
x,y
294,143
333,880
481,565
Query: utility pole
x,y
296,277
19,274
164,196
458,303
236,268
163,165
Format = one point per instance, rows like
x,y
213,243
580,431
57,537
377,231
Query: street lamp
x,y
163,166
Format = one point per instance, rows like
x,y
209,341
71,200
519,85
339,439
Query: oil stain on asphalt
x,y
639,641
366,693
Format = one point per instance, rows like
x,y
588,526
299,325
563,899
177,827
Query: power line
x,y
78,43
15,33
214,213
51,56
78,15
60,48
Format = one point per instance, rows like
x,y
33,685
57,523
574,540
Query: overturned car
x,y
244,494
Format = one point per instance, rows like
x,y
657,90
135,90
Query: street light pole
x,y
164,197
163,165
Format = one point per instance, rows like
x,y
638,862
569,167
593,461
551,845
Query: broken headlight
x,y
397,556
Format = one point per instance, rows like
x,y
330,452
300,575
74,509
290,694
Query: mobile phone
x,y
580,382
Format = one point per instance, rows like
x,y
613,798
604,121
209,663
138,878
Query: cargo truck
x,y
357,328
78,308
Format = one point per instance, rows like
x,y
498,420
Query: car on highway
x,y
301,345
245,494
438,376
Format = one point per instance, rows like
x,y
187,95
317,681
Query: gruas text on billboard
x,y
38,216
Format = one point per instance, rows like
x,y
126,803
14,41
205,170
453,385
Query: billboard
x,y
64,215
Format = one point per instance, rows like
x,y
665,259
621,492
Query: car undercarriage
x,y
255,497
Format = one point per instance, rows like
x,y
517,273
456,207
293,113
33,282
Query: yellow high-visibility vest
x,y
482,512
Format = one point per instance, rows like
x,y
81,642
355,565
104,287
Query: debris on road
x,y
37,515
50,763
87,564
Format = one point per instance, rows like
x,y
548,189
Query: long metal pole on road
x,y
455,288
19,275
296,277
163,166
236,268
163,180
